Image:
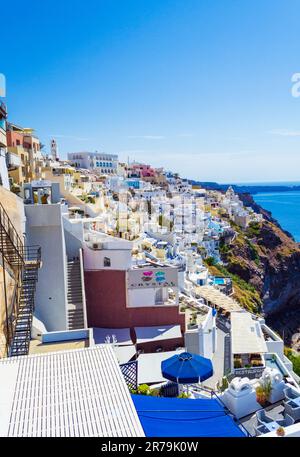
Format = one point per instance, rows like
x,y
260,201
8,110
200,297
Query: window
x,y
159,297
106,262
27,194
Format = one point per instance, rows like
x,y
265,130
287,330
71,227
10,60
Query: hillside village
x,y
138,264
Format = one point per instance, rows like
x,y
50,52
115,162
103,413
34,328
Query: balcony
x,y
13,161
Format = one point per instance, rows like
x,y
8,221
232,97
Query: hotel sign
x,y
143,278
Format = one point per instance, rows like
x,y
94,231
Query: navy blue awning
x,y
186,368
177,417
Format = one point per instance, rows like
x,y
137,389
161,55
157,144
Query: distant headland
x,y
248,188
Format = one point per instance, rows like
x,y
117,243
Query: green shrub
x,y
294,358
143,389
184,395
253,229
223,385
155,393
210,261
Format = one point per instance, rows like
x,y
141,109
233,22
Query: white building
x,y
60,239
44,228
97,161
53,147
102,251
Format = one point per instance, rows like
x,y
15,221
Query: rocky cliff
x,y
267,259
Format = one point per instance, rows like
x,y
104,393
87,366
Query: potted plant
x,y
280,431
237,362
184,395
223,385
263,391
260,395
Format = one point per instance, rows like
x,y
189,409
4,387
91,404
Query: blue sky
x,y
202,87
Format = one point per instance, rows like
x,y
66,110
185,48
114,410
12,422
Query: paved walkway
x,y
217,361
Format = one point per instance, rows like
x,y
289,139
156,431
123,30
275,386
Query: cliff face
x,y
270,261
267,258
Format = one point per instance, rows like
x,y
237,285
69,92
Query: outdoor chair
x,y
288,420
260,430
292,409
290,393
262,418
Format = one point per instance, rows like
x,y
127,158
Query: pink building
x,y
144,171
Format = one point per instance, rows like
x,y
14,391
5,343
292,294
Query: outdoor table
x,y
271,426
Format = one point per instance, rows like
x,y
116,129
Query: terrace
x,y
195,312
217,299
273,416
263,405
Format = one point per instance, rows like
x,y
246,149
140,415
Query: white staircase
x,y
75,297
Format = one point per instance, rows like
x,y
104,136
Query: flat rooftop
x,y
246,334
37,347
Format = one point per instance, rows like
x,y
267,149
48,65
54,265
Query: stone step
x,y
74,313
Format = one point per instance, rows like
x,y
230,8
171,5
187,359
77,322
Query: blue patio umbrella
x,y
186,368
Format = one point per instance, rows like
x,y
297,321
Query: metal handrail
x,y
213,393
14,253
5,222
32,252
25,252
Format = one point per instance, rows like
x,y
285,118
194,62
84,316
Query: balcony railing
x,y
13,161
9,229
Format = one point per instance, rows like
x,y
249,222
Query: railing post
x,y
4,286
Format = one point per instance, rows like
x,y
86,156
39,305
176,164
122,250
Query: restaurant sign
x,y
142,278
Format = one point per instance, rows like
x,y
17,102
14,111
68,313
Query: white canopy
x,y
217,298
149,371
246,334
153,333
125,353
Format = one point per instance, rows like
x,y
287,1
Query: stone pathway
x,y
218,361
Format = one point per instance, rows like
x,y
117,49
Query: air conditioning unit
x,y
95,245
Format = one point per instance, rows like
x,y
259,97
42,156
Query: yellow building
x,y
26,146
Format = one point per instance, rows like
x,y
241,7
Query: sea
x,y
285,207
